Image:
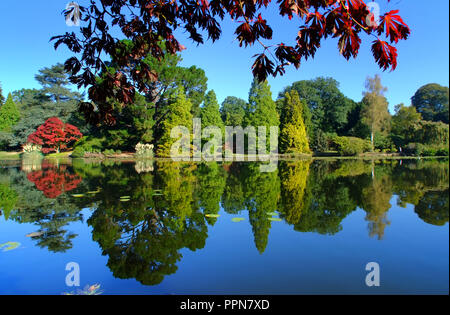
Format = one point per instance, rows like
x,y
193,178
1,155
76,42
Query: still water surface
x,y
146,227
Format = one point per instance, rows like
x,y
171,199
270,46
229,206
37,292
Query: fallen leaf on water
x,y
275,219
9,246
88,290
237,219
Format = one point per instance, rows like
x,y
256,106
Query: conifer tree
x,y
9,114
261,110
210,112
178,114
2,98
293,136
210,115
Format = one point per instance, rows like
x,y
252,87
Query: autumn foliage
x,y
55,136
154,22
53,181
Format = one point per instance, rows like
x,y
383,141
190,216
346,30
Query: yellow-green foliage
x,y
179,114
293,138
350,146
294,177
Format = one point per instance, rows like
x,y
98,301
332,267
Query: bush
x,y
383,143
419,149
144,150
31,151
351,146
88,144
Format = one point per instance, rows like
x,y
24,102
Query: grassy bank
x,y
9,155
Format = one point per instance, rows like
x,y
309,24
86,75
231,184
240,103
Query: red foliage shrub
x,y
54,135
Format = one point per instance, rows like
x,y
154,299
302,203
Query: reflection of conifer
x,y
262,191
293,178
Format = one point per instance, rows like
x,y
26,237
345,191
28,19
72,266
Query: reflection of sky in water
x,y
412,251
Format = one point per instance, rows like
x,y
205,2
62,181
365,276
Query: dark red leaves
x,y
394,27
385,54
155,22
262,67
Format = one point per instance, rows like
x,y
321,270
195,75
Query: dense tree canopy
x,y
149,24
327,109
54,99
431,101
233,111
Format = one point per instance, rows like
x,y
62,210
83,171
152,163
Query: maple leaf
x,y
394,27
385,54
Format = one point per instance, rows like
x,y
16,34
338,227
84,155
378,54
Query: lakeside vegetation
x,y
313,116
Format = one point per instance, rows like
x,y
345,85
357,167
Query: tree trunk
x,y
371,139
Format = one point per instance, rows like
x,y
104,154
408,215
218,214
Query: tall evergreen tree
x,y
210,112
293,137
375,112
261,109
2,98
54,81
9,114
178,114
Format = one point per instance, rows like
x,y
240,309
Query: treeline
x,y
313,116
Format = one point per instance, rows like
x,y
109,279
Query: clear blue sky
x,y
26,27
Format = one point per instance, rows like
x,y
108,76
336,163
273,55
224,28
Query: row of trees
x,y
312,115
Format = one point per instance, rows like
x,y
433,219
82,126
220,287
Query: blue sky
x,y
26,27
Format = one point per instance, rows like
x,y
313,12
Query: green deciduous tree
x,y
9,114
328,108
375,112
431,101
293,137
233,111
404,124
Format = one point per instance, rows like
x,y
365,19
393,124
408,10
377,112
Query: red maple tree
x,y
54,135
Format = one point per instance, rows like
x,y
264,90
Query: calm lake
x,y
151,227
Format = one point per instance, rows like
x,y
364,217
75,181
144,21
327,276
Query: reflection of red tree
x,y
53,181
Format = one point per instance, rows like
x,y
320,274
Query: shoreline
x,y
129,157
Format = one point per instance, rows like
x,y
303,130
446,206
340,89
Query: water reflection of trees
x,y
44,204
143,237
